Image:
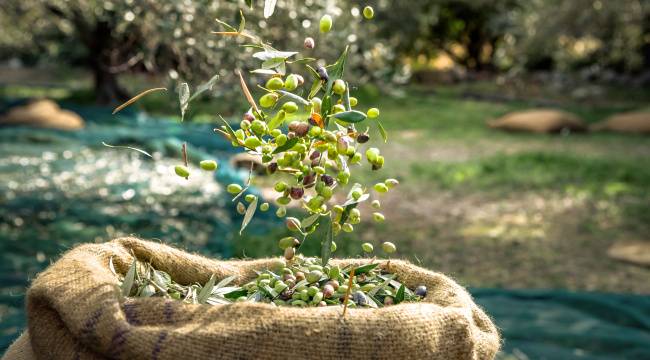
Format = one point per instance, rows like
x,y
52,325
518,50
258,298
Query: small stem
x,y
347,293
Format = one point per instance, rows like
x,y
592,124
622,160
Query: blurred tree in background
x,y
565,35
174,38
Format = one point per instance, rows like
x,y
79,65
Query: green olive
x,y
353,101
280,186
250,197
268,100
373,113
339,87
281,211
367,247
325,24
391,183
274,83
264,206
182,171
388,247
291,83
378,217
368,12
381,188
252,142
234,188
290,107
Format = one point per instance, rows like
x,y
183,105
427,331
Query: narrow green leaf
x,y
326,244
264,71
229,129
399,297
365,268
294,97
204,87
302,61
226,25
382,131
248,216
127,147
249,3
269,7
225,281
315,88
382,285
335,72
242,21
183,98
351,116
273,54
288,145
352,201
310,220
272,63
206,291
277,120
129,279
235,294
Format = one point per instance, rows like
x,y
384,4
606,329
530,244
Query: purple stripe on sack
x,y
87,333
168,311
131,314
117,343
158,347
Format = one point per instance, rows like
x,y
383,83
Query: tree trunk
x,y
107,90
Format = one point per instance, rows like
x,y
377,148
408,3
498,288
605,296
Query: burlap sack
x,y
631,122
43,113
538,121
75,311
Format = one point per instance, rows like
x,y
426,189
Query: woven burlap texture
x,y
75,310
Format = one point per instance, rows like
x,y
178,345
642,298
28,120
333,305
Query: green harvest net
x,y
58,189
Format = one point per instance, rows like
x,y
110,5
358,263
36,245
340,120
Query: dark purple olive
x,y
328,180
315,155
322,73
296,193
421,291
363,138
360,298
272,167
309,180
302,129
286,294
249,116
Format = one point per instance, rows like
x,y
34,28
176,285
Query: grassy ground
x,y
501,209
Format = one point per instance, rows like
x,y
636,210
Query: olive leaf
x,y
183,98
288,145
270,54
225,281
294,97
351,116
269,7
382,131
249,3
127,147
235,294
248,216
203,88
272,63
382,285
226,25
242,21
335,72
326,244
206,291
310,220
301,61
276,120
352,201
365,268
136,98
229,130
129,279
399,297
264,72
